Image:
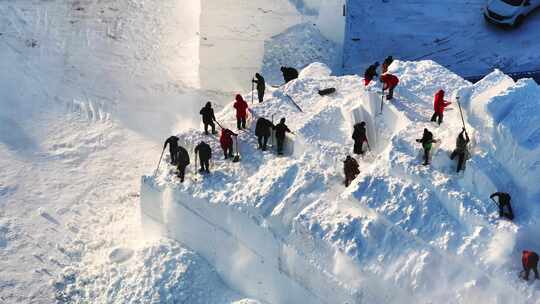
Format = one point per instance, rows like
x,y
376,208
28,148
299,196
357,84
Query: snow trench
x,y
285,230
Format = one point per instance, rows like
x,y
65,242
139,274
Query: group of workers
x,y
265,127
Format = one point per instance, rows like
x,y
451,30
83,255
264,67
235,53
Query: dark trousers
x,y
461,160
426,156
260,93
528,270
358,144
205,165
280,143
209,124
390,94
174,155
262,141
438,116
241,123
505,210
228,152
181,172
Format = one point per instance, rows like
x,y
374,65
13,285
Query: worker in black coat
x,y
350,168
281,131
173,148
208,118
205,153
261,86
183,162
505,208
359,136
289,73
263,130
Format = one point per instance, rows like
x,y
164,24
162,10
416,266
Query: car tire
x,y
519,21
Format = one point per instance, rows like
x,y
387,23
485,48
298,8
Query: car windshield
x,y
513,2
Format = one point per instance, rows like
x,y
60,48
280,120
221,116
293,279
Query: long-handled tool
x,y
382,98
237,156
252,88
461,113
159,162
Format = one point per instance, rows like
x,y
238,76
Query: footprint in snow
x,y
120,255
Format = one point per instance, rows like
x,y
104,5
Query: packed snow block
x,y
509,112
247,255
315,70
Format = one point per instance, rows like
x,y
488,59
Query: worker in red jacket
x,y
241,112
439,106
529,259
390,82
226,142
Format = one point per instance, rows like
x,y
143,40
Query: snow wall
x,y
248,245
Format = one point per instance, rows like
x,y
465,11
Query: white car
x,y
509,12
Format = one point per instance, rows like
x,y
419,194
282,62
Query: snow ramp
x,y
286,230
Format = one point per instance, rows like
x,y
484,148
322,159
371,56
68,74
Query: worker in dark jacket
x,y
261,86
289,73
183,162
208,118
370,73
173,148
529,260
205,153
427,142
350,167
461,150
263,130
505,208
359,136
281,131
386,63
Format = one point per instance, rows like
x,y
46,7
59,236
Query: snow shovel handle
x,y
159,162
461,113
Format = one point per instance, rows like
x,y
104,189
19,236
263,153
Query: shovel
x,y
237,156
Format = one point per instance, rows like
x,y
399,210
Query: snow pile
x,y
400,231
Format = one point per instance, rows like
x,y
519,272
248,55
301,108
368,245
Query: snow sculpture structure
x,y
285,230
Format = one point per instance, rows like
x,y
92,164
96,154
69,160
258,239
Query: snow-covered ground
x,y
401,232
88,91
451,32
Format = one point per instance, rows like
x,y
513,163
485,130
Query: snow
x,y
450,32
89,90
425,233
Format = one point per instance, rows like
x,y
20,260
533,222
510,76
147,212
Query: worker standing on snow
x,y
281,131
208,118
461,150
359,136
390,82
289,73
205,154
370,73
350,168
226,142
261,86
439,104
241,112
263,130
173,148
183,162
529,259
505,208
427,142
386,63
